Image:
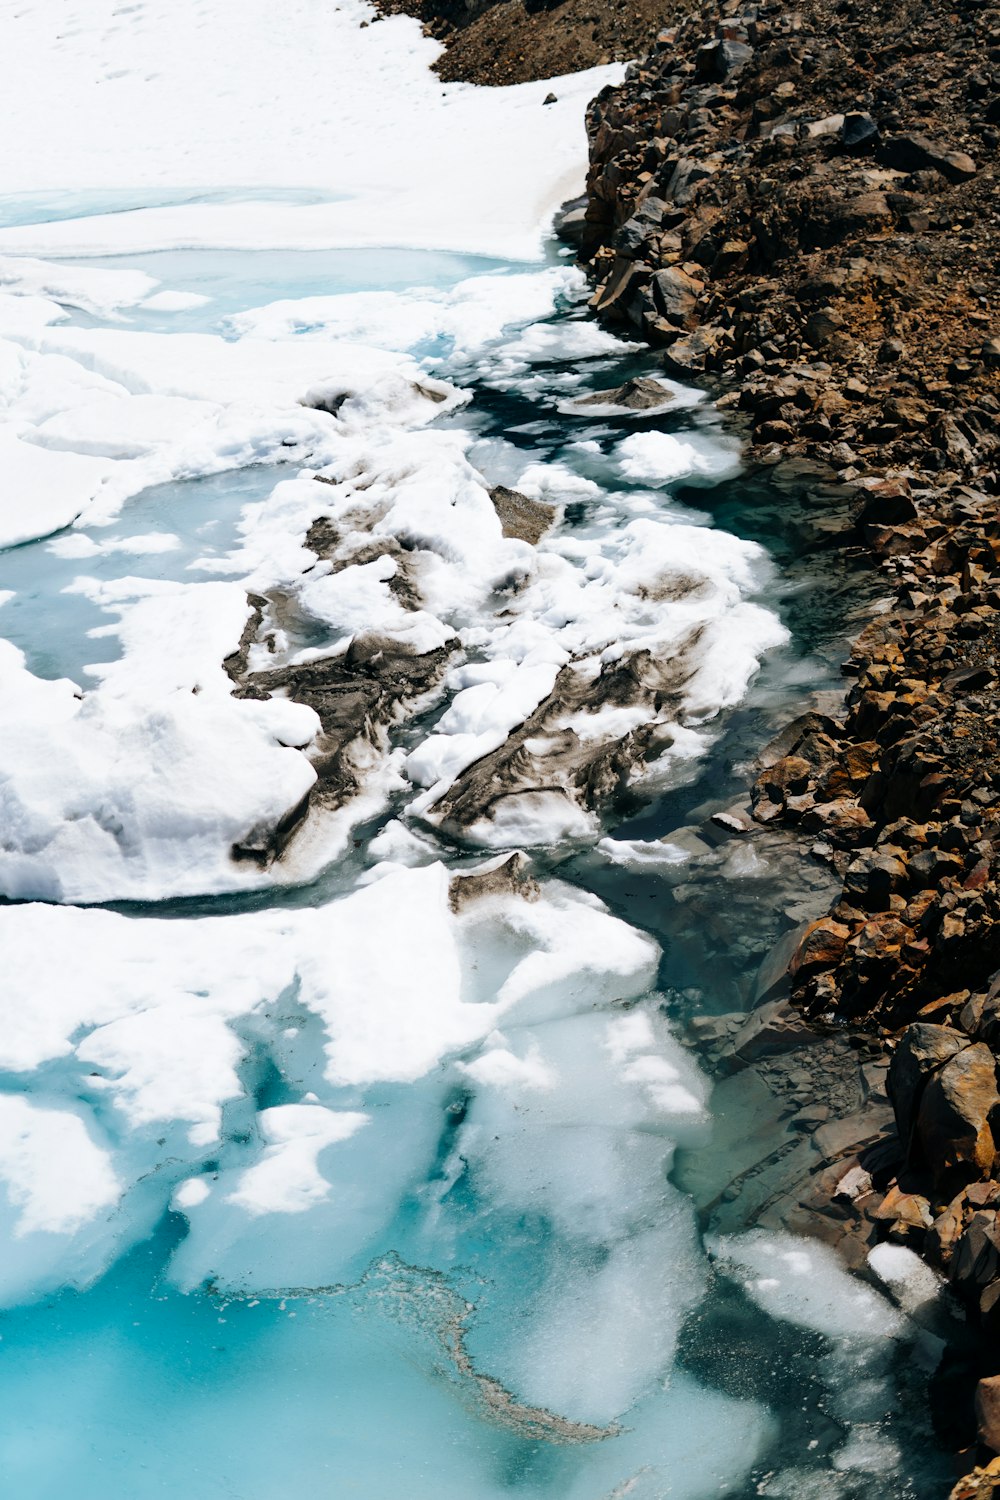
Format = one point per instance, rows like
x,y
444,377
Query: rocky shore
x,y
800,207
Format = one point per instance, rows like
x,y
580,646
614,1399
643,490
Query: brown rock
x,y
822,946
988,1412
953,1122
520,517
922,1050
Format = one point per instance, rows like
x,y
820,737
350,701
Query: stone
x,y
786,777
988,1412
908,1211
719,60
921,1050
915,153
687,356
830,125
675,294
855,1183
953,1121
642,393
519,516
982,1483
821,947
859,131
771,1029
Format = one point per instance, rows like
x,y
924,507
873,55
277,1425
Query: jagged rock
x,y
859,131
675,294
915,153
521,517
953,1120
982,1483
719,60
988,1412
922,1050
822,945
642,393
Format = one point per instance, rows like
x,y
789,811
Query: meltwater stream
x,y
361,1183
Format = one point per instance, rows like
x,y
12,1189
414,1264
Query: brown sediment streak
x,y
421,1298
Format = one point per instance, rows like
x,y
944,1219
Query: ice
x,y
150,108
144,786
92,289
640,854
55,1175
41,491
175,301
458,322
805,1282
660,457
286,1179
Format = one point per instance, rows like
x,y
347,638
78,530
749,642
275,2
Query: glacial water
x,y
503,1294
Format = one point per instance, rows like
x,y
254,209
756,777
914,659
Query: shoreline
x,y
774,244
797,210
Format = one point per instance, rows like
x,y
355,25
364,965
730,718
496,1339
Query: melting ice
x,y
339,1153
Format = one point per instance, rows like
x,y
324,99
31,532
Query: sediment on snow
x,y
800,208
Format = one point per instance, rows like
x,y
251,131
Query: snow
x,y
55,1175
164,102
141,787
286,1179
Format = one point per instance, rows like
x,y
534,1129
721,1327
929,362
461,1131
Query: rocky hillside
x,y
800,206
515,41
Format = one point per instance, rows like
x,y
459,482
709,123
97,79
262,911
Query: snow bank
x,y
147,1050
151,109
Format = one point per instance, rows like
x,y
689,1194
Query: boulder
x,y
975,1264
988,1412
921,1051
953,1121
915,153
718,60
521,517
675,294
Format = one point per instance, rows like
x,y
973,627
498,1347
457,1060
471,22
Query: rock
x,y
988,1412
786,777
979,1484
915,153
975,1263
855,1183
859,132
821,946
905,1212
675,294
521,517
719,60
688,356
770,1029
830,125
922,1050
953,1120
642,393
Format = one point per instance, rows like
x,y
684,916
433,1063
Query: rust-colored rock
x,y
953,1122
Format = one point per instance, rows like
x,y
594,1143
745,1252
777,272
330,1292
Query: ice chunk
x,y
286,1179
42,491
805,1283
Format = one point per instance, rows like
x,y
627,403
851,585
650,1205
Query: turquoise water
x,y
379,1382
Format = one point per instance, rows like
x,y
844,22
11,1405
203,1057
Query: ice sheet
x,y
164,100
